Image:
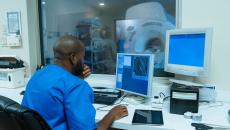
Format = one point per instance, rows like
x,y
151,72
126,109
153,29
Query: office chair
x,y
13,116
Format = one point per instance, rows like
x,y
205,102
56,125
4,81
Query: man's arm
x,y
116,113
79,110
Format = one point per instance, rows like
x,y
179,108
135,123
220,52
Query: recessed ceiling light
x,y
101,4
43,2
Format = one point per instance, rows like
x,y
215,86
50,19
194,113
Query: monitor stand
x,y
134,99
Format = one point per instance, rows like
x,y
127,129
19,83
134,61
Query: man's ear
x,y
73,59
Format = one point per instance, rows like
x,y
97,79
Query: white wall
x,y
29,51
212,13
15,5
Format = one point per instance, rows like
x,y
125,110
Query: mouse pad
x,y
151,117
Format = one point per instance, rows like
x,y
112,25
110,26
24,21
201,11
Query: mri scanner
x,y
146,33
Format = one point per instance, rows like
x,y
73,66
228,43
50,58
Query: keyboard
x,y
105,99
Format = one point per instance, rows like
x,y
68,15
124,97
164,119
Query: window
x,y
107,27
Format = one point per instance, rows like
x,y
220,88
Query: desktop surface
x,y
214,113
210,115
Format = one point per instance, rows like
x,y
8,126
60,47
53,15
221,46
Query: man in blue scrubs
x,y
61,96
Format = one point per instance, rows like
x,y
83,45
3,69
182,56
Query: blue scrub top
x,y
63,100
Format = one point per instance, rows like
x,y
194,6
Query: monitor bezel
x,y
185,69
150,75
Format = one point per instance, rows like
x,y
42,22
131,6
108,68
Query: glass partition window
x,y
108,27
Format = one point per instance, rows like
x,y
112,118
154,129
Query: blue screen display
x,y
132,73
187,49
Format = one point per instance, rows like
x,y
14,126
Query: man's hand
x,y
118,112
86,71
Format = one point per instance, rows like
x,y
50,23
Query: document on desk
x,y
147,117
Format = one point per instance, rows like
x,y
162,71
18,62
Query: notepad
x,y
149,117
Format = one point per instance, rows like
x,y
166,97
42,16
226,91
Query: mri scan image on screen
x,y
140,66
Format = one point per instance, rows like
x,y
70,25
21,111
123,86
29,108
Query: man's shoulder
x,y
59,75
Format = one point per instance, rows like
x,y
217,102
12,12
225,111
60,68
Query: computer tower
x,y
183,99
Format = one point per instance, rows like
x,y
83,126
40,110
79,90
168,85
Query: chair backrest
x,y
13,116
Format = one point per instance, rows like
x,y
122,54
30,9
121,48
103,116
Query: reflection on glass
x,y
118,26
144,33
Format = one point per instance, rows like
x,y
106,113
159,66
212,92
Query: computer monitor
x,y
134,73
188,51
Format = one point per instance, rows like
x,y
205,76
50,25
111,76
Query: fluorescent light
x,y
101,4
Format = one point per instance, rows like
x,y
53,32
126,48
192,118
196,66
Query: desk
x,y
213,115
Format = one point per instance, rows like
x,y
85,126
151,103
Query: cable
x,y
205,105
122,98
165,98
160,94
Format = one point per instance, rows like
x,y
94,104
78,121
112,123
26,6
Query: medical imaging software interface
x,y
187,49
132,73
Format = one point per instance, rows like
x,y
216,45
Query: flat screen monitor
x,y
134,73
188,51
